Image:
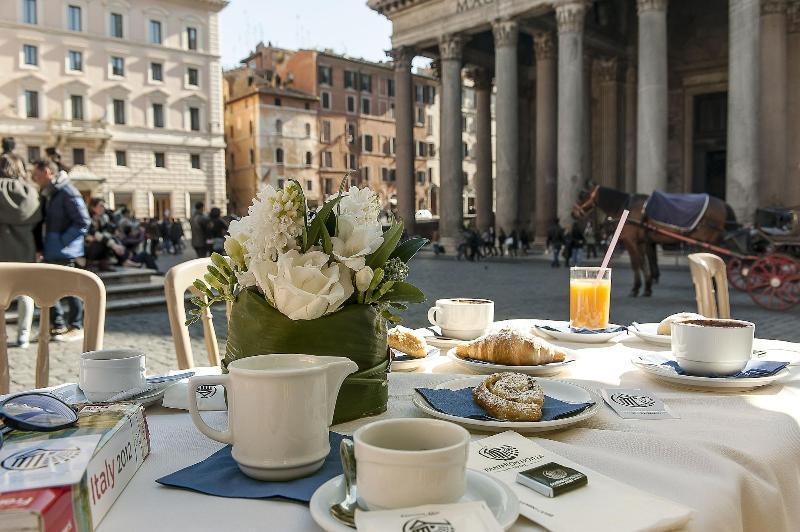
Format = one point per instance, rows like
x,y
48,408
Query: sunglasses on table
x,y
38,412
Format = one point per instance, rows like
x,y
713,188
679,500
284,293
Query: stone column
x,y
484,196
629,183
571,152
546,198
506,123
741,185
404,136
793,80
451,209
588,146
651,124
773,102
609,116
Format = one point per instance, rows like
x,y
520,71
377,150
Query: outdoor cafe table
x,y
732,457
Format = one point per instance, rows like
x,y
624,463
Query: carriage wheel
x,y
774,282
738,270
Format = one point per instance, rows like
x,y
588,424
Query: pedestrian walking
x,y
215,233
590,238
575,245
153,232
176,236
555,241
66,222
199,226
166,241
524,241
513,243
501,241
19,214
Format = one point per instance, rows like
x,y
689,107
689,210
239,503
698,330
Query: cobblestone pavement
x,y
521,289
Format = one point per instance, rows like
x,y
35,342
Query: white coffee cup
x,y
279,410
408,462
708,346
105,373
462,318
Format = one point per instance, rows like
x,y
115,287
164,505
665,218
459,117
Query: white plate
x,y
647,332
561,390
585,338
502,502
488,368
705,383
412,363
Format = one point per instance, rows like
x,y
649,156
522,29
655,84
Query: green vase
x,y
357,332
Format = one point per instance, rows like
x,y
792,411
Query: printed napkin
x,y
565,328
473,516
219,475
753,369
460,403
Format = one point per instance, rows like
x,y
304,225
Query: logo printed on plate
x,y
502,453
421,525
31,459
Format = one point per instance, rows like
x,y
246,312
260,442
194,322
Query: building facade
x,y
129,92
640,95
353,102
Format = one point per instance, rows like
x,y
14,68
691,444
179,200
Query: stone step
x,y
126,276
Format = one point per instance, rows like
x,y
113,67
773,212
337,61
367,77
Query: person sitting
x,y
101,245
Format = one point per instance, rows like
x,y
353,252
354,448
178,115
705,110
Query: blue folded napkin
x,y
753,369
220,476
460,403
581,330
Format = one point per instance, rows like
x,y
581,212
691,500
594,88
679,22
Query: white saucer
x,y
502,502
412,363
705,383
585,338
647,333
557,389
487,368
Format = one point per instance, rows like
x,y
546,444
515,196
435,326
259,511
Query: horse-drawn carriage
x,y
763,259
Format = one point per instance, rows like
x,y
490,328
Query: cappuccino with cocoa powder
x,y
717,323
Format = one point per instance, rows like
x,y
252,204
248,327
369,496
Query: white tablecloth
x,y
734,458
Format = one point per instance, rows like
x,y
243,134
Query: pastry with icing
x,y
510,397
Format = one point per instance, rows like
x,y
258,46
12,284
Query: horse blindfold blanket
x,y
678,211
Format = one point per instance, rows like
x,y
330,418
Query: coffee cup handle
x,y
223,436
432,315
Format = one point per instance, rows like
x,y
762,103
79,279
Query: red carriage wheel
x,y
738,270
774,282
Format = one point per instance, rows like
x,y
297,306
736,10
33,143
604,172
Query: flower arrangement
x,y
308,266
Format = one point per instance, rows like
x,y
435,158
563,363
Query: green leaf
x,y
327,245
315,228
405,292
221,277
305,213
223,265
390,317
203,287
408,249
213,281
399,306
385,287
390,239
330,224
197,302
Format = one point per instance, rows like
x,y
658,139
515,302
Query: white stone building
x,y
130,90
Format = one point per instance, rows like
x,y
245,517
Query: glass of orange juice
x,y
589,298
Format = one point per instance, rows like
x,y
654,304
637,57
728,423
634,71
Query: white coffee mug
x,y
712,346
105,373
462,318
279,410
409,462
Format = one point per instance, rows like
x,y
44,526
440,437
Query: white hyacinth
x,y
361,205
274,223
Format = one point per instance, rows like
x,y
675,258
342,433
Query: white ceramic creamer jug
x,y
279,410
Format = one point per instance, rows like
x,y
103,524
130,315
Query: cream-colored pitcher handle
x,y
432,315
224,436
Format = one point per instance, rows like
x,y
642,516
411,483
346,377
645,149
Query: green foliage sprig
x,y
216,286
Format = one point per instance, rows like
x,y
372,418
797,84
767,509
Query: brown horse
x,y
641,242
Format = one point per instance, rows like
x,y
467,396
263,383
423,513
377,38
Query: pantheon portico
x,y
639,95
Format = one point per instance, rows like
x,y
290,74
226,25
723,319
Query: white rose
x,y
354,241
303,286
364,278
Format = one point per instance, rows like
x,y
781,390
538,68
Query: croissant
x,y
511,348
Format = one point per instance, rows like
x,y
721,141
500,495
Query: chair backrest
x,y
46,284
710,285
178,280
